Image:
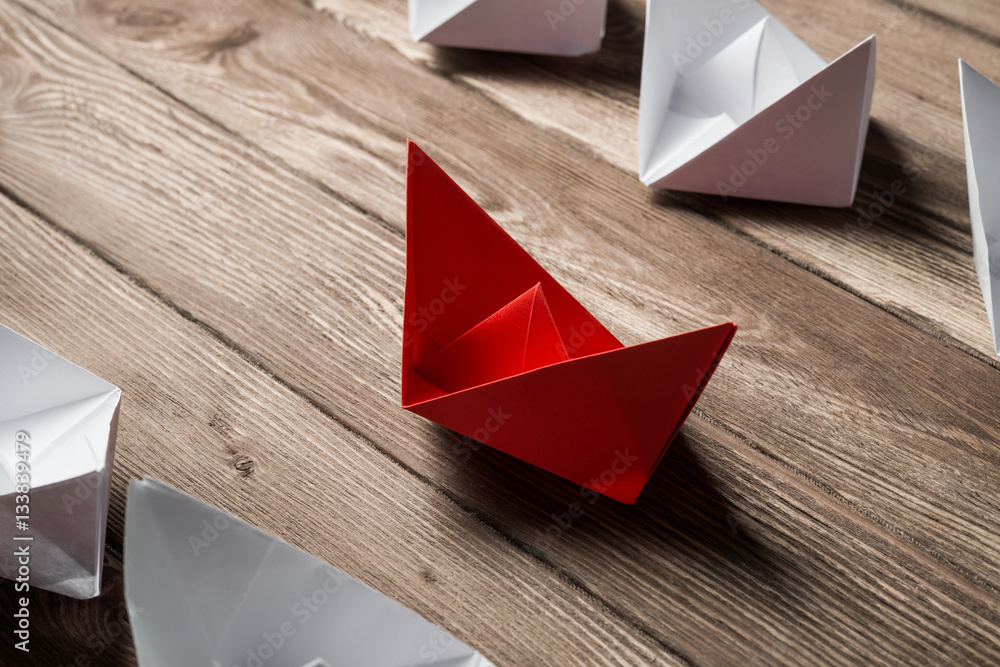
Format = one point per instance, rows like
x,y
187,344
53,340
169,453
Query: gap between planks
x,y
574,583
281,163
85,248
937,17
562,138
916,318
828,490
685,202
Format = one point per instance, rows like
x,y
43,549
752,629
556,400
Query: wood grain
x,y
192,409
914,260
792,322
77,633
830,502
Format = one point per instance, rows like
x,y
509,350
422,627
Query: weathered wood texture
x,y
204,204
197,408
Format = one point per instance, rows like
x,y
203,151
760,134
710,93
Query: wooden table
x,y
202,201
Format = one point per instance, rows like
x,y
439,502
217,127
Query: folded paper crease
x,y
496,349
67,419
205,588
733,103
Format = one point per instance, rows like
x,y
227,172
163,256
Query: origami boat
x,y
981,119
733,103
496,349
205,588
58,425
563,28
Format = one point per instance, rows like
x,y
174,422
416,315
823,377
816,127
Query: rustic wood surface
x,y
202,201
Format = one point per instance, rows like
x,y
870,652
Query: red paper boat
x,y
496,349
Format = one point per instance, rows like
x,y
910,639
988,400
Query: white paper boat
x,y
733,103
58,425
981,118
205,588
560,27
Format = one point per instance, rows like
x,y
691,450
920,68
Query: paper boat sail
x,y
496,349
732,103
567,28
981,119
205,588
57,425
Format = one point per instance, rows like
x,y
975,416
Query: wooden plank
x,y
194,413
758,565
795,327
316,228
979,17
914,260
886,257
